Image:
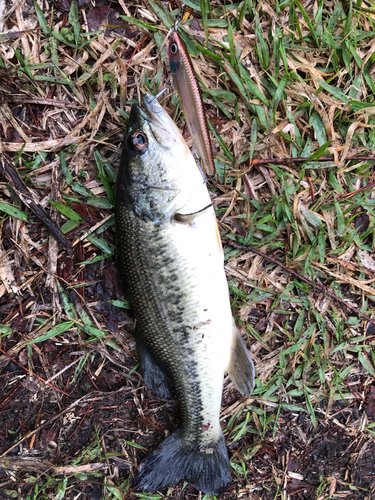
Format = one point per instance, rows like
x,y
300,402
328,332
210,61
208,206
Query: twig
x,y
25,99
370,185
352,266
64,369
44,424
9,171
82,419
312,189
28,371
21,463
313,284
266,161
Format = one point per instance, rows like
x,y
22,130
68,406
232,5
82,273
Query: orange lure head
x,y
176,50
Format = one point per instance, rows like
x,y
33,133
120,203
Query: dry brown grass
x,y
280,80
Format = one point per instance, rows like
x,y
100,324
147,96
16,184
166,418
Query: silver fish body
x,y
170,255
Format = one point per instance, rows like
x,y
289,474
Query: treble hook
x,y
179,17
160,93
158,109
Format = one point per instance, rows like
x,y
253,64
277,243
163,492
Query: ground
x,y
280,81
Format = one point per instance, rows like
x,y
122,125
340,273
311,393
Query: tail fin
x,y
207,469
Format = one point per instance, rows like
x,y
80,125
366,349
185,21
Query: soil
x,y
117,417
121,417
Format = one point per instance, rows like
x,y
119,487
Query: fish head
x,y
158,172
155,153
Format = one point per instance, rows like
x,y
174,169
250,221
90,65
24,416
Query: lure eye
x,y
138,141
173,48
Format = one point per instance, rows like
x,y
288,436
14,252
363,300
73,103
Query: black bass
x,y
170,255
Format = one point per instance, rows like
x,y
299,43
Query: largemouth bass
x,y
188,90
170,255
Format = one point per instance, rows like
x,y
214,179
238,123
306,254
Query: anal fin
x,y
241,367
155,378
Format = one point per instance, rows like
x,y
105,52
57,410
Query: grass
x,y
280,80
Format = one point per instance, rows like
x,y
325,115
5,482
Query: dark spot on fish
x,y
191,367
184,329
202,323
167,260
195,390
202,335
205,310
174,65
176,317
152,204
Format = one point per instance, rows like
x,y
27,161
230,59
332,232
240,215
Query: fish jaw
x,y
137,117
162,121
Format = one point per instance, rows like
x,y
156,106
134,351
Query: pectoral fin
x,y
155,378
189,218
241,367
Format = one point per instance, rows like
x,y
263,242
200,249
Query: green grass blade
x,y
56,330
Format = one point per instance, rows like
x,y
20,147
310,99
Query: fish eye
x,y
174,48
138,141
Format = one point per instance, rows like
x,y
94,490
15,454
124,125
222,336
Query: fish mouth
x,y
153,106
156,119
154,113
137,117
160,120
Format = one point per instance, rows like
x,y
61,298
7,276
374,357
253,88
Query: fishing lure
x,y
188,89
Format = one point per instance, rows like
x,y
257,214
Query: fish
x,y
188,90
170,256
